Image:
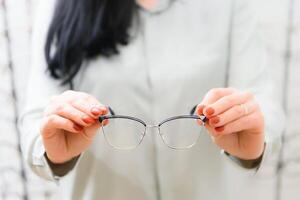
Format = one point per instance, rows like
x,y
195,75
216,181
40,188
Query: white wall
x,y
280,25
16,17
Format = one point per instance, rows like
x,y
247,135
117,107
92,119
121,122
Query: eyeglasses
x,y
127,132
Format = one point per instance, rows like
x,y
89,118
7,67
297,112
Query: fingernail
x,y
105,122
199,122
210,111
77,127
104,110
215,120
88,120
220,129
200,109
96,111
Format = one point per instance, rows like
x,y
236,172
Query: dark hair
x,y
84,29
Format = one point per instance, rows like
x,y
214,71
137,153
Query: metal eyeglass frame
x,y
114,116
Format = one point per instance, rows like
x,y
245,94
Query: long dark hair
x,y
84,29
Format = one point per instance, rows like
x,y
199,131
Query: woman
x,y
150,60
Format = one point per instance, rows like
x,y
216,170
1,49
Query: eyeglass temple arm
x,y
193,110
111,111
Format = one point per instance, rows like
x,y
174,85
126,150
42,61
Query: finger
x,y
211,130
69,112
213,95
199,109
91,107
91,131
200,122
241,124
233,114
229,101
53,122
84,102
105,122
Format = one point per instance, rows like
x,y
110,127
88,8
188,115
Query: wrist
x,y
248,163
61,169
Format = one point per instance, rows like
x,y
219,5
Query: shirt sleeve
x,y
40,88
249,70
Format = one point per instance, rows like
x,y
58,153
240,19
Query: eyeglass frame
x,y
203,118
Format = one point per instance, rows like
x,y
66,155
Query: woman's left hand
x,y
235,122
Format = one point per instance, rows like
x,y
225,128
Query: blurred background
x,y
280,28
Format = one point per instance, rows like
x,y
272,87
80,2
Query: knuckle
x,y
74,100
229,100
68,96
50,109
85,96
51,119
232,89
59,108
91,100
65,123
68,92
216,92
238,110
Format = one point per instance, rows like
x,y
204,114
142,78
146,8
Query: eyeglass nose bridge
x,y
152,126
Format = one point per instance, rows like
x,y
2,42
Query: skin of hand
x,y
235,122
69,125
147,4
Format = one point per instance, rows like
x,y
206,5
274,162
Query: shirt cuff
x,y
247,164
43,167
60,170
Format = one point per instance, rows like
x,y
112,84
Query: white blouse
x,y
178,53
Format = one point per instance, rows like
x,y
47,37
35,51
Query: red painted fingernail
x,y
88,120
105,122
220,129
200,122
200,109
77,127
96,111
215,120
104,110
210,111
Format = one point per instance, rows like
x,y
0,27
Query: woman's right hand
x,y
70,124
